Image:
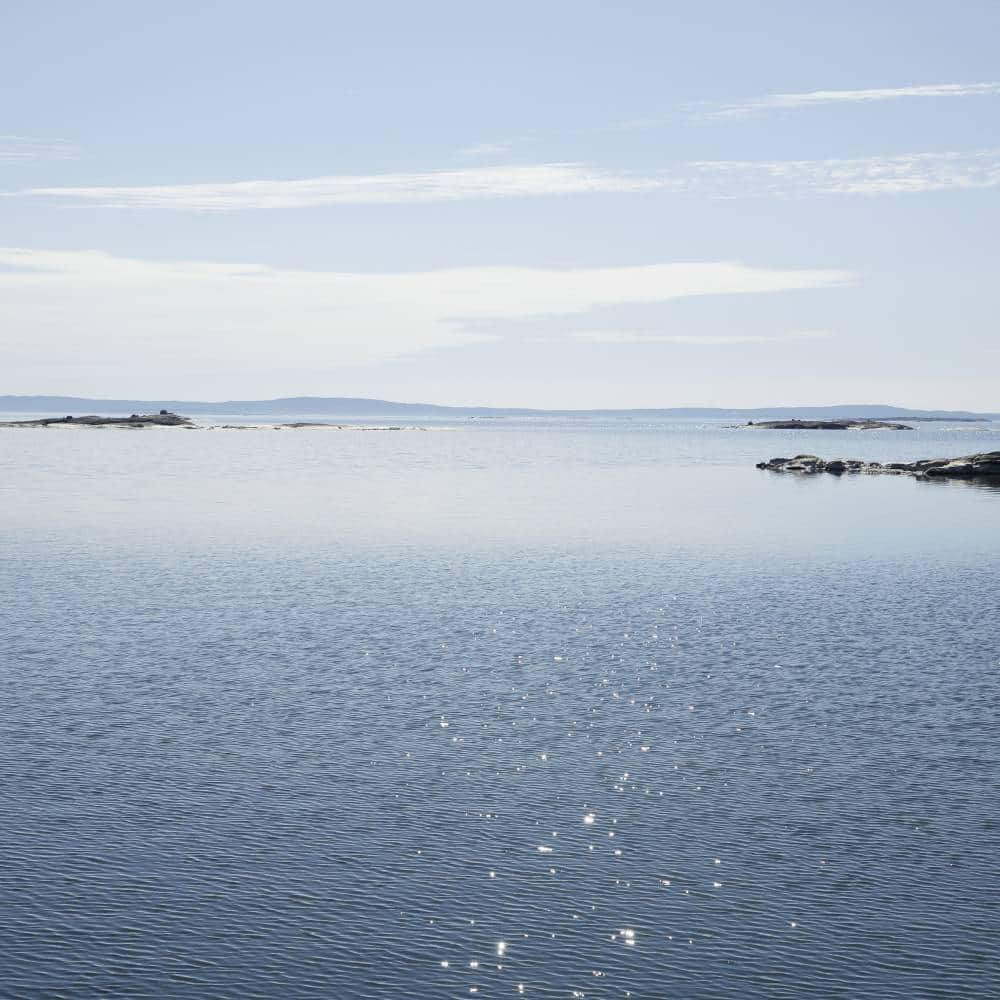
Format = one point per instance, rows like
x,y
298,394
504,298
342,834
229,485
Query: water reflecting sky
x,y
504,708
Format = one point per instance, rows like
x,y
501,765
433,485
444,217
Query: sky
x,y
552,204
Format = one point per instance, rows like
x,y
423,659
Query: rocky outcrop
x,y
165,418
137,420
860,424
984,464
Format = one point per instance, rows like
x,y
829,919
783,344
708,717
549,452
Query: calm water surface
x,y
502,708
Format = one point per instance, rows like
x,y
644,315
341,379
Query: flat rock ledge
x,y
985,464
859,424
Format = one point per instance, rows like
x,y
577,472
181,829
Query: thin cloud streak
x,y
22,148
817,98
710,340
488,148
475,183
89,308
911,173
708,111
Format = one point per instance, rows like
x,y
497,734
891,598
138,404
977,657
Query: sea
x,y
553,707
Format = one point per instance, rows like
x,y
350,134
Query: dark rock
x,y
953,470
162,419
984,465
859,424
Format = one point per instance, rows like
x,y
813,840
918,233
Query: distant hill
x,y
351,407
339,406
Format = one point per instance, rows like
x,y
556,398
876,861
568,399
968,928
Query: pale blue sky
x,y
565,204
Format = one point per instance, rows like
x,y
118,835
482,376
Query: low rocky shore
x,y
135,422
165,418
985,464
860,424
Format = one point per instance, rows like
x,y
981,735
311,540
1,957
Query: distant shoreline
x,y
308,407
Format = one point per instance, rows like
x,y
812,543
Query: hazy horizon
x,y
839,409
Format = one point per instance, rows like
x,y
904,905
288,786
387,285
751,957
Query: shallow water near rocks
x,y
542,707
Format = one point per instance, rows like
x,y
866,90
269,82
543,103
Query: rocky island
x,y
860,424
135,421
984,464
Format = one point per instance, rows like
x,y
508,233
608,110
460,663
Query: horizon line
x,y
512,409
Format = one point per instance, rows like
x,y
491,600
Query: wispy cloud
x,y
346,189
20,148
816,98
707,111
907,173
709,340
70,308
488,148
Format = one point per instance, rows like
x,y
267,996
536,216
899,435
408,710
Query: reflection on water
x,y
991,483
543,712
